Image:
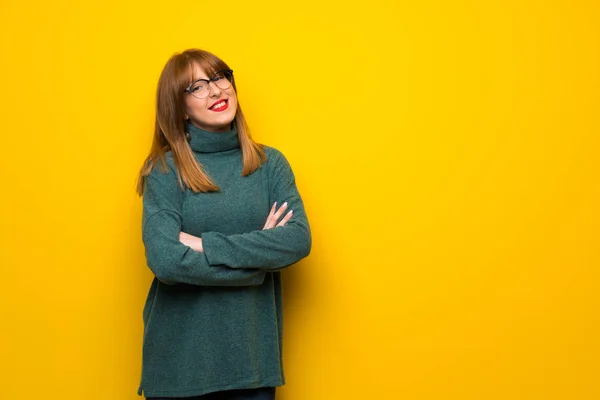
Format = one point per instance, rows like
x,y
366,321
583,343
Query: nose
x,y
215,91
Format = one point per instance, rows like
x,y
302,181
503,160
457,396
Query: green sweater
x,y
213,320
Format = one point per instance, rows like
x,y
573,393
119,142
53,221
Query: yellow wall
x,y
447,152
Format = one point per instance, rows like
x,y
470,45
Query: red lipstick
x,y
224,107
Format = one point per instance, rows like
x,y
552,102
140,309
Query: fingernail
x,y
285,204
290,212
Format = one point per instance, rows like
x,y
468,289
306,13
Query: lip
x,y
217,102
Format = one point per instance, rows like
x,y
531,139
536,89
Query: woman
x,y
221,216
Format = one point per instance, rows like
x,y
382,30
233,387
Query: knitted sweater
x,y
213,319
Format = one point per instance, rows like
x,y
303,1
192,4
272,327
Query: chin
x,y
231,119
225,123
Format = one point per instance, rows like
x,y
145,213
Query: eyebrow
x,y
212,76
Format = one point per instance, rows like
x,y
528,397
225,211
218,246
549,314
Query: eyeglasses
x,y
201,87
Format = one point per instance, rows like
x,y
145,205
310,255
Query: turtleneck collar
x,y
212,142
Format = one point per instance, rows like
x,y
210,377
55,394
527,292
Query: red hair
x,y
169,129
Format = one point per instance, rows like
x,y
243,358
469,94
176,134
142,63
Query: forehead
x,y
197,72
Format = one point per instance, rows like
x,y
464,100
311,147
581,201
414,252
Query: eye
x,y
198,86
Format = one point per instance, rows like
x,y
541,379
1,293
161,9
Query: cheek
x,y
193,107
233,101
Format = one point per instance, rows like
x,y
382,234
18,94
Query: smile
x,y
220,106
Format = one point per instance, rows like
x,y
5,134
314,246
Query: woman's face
x,y
209,113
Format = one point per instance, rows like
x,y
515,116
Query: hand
x,y
275,215
192,241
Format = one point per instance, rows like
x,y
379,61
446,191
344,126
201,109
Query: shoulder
x,y
163,174
169,167
274,156
277,164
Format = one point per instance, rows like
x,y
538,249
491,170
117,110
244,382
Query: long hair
x,y
169,128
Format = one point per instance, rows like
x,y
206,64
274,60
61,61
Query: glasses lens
x,y
223,79
199,89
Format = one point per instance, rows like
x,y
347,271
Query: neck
x,y
204,141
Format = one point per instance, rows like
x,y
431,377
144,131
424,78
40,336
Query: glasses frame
x,y
208,81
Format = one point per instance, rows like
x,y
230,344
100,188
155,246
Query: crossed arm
x,y
195,242
216,259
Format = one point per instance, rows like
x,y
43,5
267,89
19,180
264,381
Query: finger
x,y
277,215
286,218
280,212
182,238
270,222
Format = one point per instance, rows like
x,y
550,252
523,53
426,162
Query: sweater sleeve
x,y
270,249
170,260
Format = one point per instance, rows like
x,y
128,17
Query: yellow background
x,y
447,153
